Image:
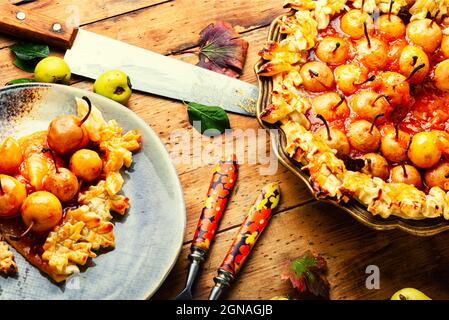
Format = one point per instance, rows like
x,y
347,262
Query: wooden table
x,y
301,223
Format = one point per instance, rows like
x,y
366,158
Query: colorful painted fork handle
x,y
251,229
221,187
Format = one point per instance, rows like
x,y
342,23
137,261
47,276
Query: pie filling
x,y
86,224
377,91
363,97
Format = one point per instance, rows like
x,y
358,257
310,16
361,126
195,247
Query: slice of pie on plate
x,y
86,225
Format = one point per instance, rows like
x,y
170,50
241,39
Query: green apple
x,y
409,294
52,70
115,85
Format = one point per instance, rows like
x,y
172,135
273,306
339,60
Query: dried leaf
x,y
308,272
222,50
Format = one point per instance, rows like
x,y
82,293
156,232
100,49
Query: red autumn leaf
x,y
308,272
222,50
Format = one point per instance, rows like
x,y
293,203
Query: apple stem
x,y
337,45
435,17
371,78
396,128
374,121
419,67
88,112
404,169
369,164
329,137
15,238
390,9
1,188
342,99
365,30
380,97
363,4
314,74
48,150
415,59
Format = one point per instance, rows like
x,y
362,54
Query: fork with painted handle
x,y
252,227
221,187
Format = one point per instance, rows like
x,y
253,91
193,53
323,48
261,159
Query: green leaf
x,y
25,65
21,80
302,265
208,120
30,51
308,272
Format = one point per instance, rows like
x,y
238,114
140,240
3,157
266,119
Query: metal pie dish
x,y
424,227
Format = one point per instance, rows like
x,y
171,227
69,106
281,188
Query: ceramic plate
x,y
148,238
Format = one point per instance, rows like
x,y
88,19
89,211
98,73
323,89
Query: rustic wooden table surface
x,y
300,223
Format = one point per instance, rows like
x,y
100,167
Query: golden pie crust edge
x,y
328,174
7,263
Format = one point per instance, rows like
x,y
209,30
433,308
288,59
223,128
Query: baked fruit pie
x,y
361,91
58,189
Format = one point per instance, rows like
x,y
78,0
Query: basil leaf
x,y
25,65
208,120
30,51
21,80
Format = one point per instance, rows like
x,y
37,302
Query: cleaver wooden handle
x,y
26,24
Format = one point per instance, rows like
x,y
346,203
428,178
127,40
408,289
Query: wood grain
x,y
300,223
164,116
348,247
174,26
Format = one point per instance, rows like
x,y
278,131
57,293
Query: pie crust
x,y
329,175
7,264
88,226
